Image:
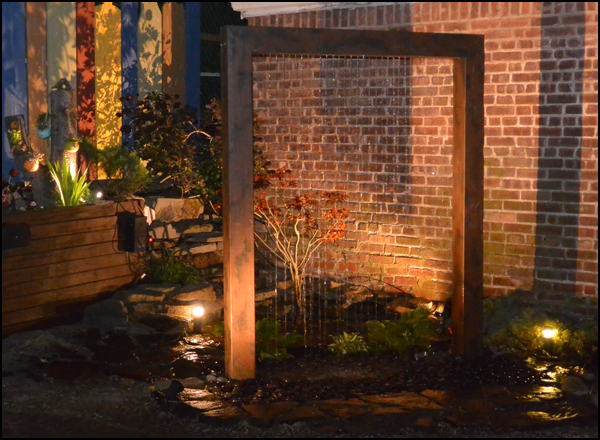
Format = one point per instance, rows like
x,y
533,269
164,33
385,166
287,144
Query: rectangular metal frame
x,y
240,44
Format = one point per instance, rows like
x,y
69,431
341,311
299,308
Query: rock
x,y
574,386
398,306
200,249
265,295
406,400
145,296
198,229
20,348
165,232
197,292
356,295
204,237
106,315
211,378
174,210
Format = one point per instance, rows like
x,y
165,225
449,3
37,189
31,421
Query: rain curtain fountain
x,y
239,46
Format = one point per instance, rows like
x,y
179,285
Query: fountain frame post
x,y
239,44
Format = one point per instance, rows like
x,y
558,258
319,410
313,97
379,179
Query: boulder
x,y
174,210
106,315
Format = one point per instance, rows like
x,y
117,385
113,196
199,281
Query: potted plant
x,y
32,164
42,126
72,144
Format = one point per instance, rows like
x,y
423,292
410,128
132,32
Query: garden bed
x,y
68,260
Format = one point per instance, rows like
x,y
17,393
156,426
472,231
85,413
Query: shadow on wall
x,y
560,147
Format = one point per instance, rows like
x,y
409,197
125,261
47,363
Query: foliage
x,y
511,327
413,330
170,268
297,225
348,344
165,136
211,155
125,173
219,328
270,343
71,188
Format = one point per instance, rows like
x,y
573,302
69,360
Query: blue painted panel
x,y
192,55
14,72
129,56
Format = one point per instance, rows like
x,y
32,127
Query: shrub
x,y
170,268
271,343
510,327
413,331
165,136
348,343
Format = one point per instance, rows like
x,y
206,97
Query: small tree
x,y
296,225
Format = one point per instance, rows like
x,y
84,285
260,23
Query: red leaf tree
x,y
297,224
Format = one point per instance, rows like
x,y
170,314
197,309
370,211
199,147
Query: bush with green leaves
x,y
164,134
124,171
348,343
169,267
512,327
271,343
412,331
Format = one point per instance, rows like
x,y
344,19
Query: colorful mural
x,y
104,52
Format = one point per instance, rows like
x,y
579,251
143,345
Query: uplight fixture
x,y
549,333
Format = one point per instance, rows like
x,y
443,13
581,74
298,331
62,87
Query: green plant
x,y
296,225
511,327
169,267
71,187
413,330
165,136
271,343
348,343
210,155
124,171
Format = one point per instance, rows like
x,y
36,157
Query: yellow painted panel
x,y
62,59
108,75
150,48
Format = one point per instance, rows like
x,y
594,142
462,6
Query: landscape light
x,y
549,333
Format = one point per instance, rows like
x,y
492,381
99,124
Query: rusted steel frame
x,y
239,45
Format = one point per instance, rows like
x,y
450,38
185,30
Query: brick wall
x,y
381,128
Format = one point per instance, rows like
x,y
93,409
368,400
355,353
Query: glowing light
x,y
99,195
197,311
549,333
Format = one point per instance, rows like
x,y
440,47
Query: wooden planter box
x,y
70,261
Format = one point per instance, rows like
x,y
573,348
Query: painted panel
x,y
37,83
129,57
108,75
14,72
150,48
173,75
61,42
192,54
86,47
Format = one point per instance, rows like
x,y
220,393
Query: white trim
x,y
254,9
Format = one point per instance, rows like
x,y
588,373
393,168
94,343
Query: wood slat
x,y
64,281
64,242
64,295
61,269
72,227
49,257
